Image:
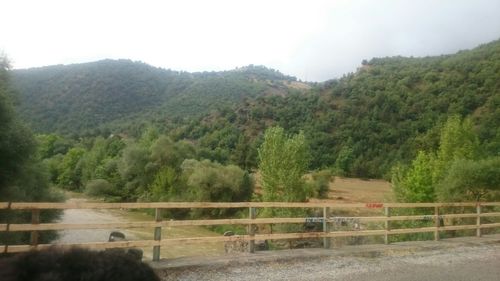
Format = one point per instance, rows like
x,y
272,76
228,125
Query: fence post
x,y
436,216
478,220
251,230
35,219
387,226
326,228
157,235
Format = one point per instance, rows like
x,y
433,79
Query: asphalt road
x,y
461,263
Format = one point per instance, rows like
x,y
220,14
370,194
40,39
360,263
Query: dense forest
x,y
129,131
109,96
384,113
362,123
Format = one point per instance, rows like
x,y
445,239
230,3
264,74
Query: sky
x,y
313,40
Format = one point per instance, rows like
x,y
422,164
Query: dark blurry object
x,y
74,264
119,236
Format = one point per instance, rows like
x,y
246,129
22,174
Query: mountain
x,y
361,124
365,122
114,93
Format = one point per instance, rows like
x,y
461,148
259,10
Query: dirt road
x,y
90,216
112,215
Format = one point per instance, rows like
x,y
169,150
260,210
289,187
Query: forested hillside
x,y
365,122
89,98
359,125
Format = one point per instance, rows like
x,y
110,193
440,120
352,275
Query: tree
x,y
92,159
51,144
165,152
71,167
99,187
243,152
344,160
471,180
135,170
17,144
283,161
213,182
166,184
22,175
458,141
452,173
415,185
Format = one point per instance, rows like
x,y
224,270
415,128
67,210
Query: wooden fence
x,y
251,221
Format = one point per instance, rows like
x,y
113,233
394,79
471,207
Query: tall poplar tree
x,y
283,161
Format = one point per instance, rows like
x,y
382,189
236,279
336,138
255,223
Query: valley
x,y
397,129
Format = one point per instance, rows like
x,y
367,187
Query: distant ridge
x,y
81,97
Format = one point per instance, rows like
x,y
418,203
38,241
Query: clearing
x,y
352,190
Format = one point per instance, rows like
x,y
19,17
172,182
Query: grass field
x,y
351,190
175,250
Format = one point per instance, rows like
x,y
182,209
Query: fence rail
x,y
326,220
226,205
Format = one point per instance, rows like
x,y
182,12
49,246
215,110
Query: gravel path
x,y
89,216
463,263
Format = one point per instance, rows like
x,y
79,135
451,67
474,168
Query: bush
x,y
471,180
98,187
321,183
213,182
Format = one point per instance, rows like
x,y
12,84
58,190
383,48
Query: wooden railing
x,y
326,219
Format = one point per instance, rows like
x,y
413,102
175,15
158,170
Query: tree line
x,y
156,168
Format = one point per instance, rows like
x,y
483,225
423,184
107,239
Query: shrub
x,y
98,187
321,183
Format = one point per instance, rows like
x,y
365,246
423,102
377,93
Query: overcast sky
x,y
313,40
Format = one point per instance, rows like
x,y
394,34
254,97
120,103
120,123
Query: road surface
x,y
91,216
462,263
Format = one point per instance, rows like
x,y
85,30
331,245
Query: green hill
x,y
361,124
114,93
366,121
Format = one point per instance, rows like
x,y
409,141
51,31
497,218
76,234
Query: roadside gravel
x,y
461,263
